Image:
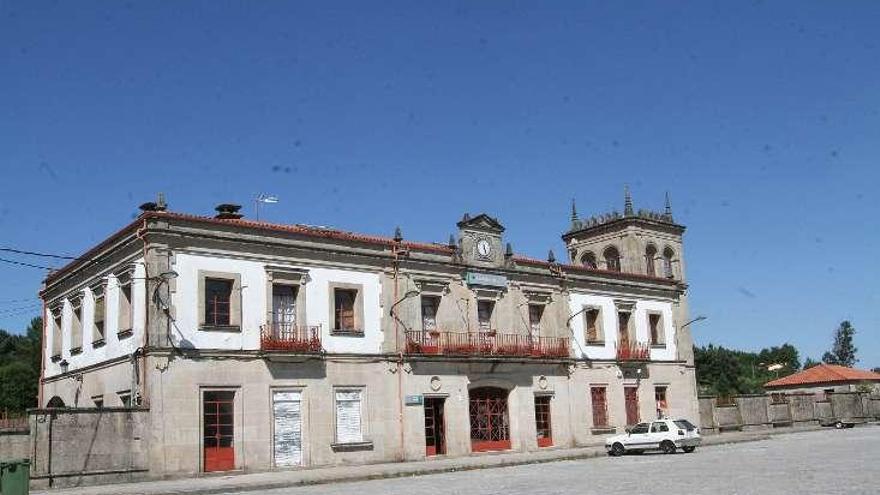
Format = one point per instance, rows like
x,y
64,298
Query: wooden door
x,y
631,400
219,418
435,430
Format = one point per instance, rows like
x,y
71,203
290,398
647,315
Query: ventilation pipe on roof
x,y
228,211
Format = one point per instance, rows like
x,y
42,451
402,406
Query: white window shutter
x,y
348,417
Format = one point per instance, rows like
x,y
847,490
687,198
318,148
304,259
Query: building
x,y
257,346
825,379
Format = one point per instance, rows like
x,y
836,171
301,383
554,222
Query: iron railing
x,y
633,352
290,338
485,344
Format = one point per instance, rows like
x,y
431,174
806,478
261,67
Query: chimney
x,y
228,211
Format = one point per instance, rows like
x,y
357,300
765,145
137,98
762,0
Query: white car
x,y
665,435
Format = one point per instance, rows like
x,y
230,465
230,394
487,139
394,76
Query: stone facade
x,y
466,342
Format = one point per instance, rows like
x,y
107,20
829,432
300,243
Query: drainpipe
x,y
143,365
43,341
400,424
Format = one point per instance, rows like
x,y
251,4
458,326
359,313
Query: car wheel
x,y
688,450
617,449
839,425
667,447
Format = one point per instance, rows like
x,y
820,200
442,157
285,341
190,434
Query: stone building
x,y
825,379
257,346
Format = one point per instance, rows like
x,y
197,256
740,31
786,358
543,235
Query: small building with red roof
x,y
825,378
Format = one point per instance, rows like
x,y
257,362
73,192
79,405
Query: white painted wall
x,y
254,299
577,301
114,347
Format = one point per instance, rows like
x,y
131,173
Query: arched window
x,y
612,259
650,255
55,402
668,254
589,260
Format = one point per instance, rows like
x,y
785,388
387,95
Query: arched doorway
x,y
490,423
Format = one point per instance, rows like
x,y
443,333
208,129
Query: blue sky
x,y
762,119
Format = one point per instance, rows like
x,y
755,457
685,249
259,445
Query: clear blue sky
x,y
762,119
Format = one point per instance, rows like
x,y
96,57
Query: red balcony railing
x,y
634,352
485,344
290,338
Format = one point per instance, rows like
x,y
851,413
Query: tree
x,y
724,372
810,362
20,367
843,352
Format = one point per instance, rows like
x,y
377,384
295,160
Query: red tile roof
x,y
824,373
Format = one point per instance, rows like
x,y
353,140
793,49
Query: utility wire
x,y
20,263
22,308
33,253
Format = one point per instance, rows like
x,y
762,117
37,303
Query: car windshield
x,y
685,425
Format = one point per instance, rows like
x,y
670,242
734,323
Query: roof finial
x,y
574,212
551,257
668,207
398,235
627,202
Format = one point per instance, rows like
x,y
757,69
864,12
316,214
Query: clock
x,y
484,248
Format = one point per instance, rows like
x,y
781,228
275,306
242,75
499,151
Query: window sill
x,y
603,430
658,346
124,334
75,351
220,328
55,358
346,333
352,446
98,343
596,343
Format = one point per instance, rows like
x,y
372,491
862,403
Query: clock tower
x,y
480,239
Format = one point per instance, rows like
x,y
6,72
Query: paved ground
x,y
822,462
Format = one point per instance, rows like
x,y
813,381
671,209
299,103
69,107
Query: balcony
x,y
633,352
290,338
485,344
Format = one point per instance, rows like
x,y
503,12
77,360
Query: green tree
x,y
843,352
810,362
20,367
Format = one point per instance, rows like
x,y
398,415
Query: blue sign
x,y
474,278
413,400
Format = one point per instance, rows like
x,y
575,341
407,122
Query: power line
x,y
44,255
20,263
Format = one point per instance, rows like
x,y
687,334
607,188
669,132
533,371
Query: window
x,y
429,313
283,307
484,315
344,301
589,260
668,254
542,421
655,328
125,398
623,318
76,336
612,259
599,400
639,429
593,323
218,300
98,319
56,333
685,424
660,400
650,255
659,427
349,410
536,312
125,313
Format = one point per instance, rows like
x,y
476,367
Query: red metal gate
x,y
600,407
631,399
218,407
435,434
490,426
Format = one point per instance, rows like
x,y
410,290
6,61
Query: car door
x,y
659,432
638,437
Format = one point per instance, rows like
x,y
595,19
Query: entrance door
x,y
287,438
631,399
543,426
435,434
490,426
218,418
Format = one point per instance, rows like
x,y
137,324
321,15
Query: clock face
x,y
484,248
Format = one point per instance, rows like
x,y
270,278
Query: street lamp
x,y
409,294
699,318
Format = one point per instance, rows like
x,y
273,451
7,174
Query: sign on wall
x,y
475,278
414,400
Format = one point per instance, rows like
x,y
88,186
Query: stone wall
x,y
75,447
760,411
14,443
